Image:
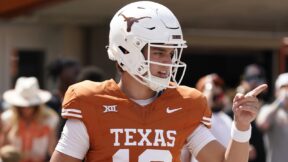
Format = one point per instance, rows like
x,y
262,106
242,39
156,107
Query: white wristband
x,y
240,136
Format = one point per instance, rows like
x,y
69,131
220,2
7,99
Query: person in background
x,y
273,121
212,86
253,76
147,115
64,73
91,73
28,124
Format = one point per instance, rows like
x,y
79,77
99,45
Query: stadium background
x,y
223,36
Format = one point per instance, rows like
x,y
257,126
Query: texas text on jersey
x,y
130,132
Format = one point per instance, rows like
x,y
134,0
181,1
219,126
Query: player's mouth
x,y
163,74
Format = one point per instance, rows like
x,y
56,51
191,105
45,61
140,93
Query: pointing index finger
x,y
255,92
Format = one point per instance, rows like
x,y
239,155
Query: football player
x,y
147,116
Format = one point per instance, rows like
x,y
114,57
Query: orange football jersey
x,y
122,131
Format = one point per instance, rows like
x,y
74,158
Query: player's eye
x,y
158,53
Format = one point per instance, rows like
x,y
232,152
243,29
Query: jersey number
x,y
148,155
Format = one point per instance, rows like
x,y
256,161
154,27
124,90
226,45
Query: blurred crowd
x,y
31,122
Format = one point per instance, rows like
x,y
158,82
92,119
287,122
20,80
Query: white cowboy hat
x,y
26,93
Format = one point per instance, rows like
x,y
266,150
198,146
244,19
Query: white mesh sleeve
x,y
74,140
198,139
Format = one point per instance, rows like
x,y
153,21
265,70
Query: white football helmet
x,y
148,24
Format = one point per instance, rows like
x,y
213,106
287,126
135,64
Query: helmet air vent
x,y
123,50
